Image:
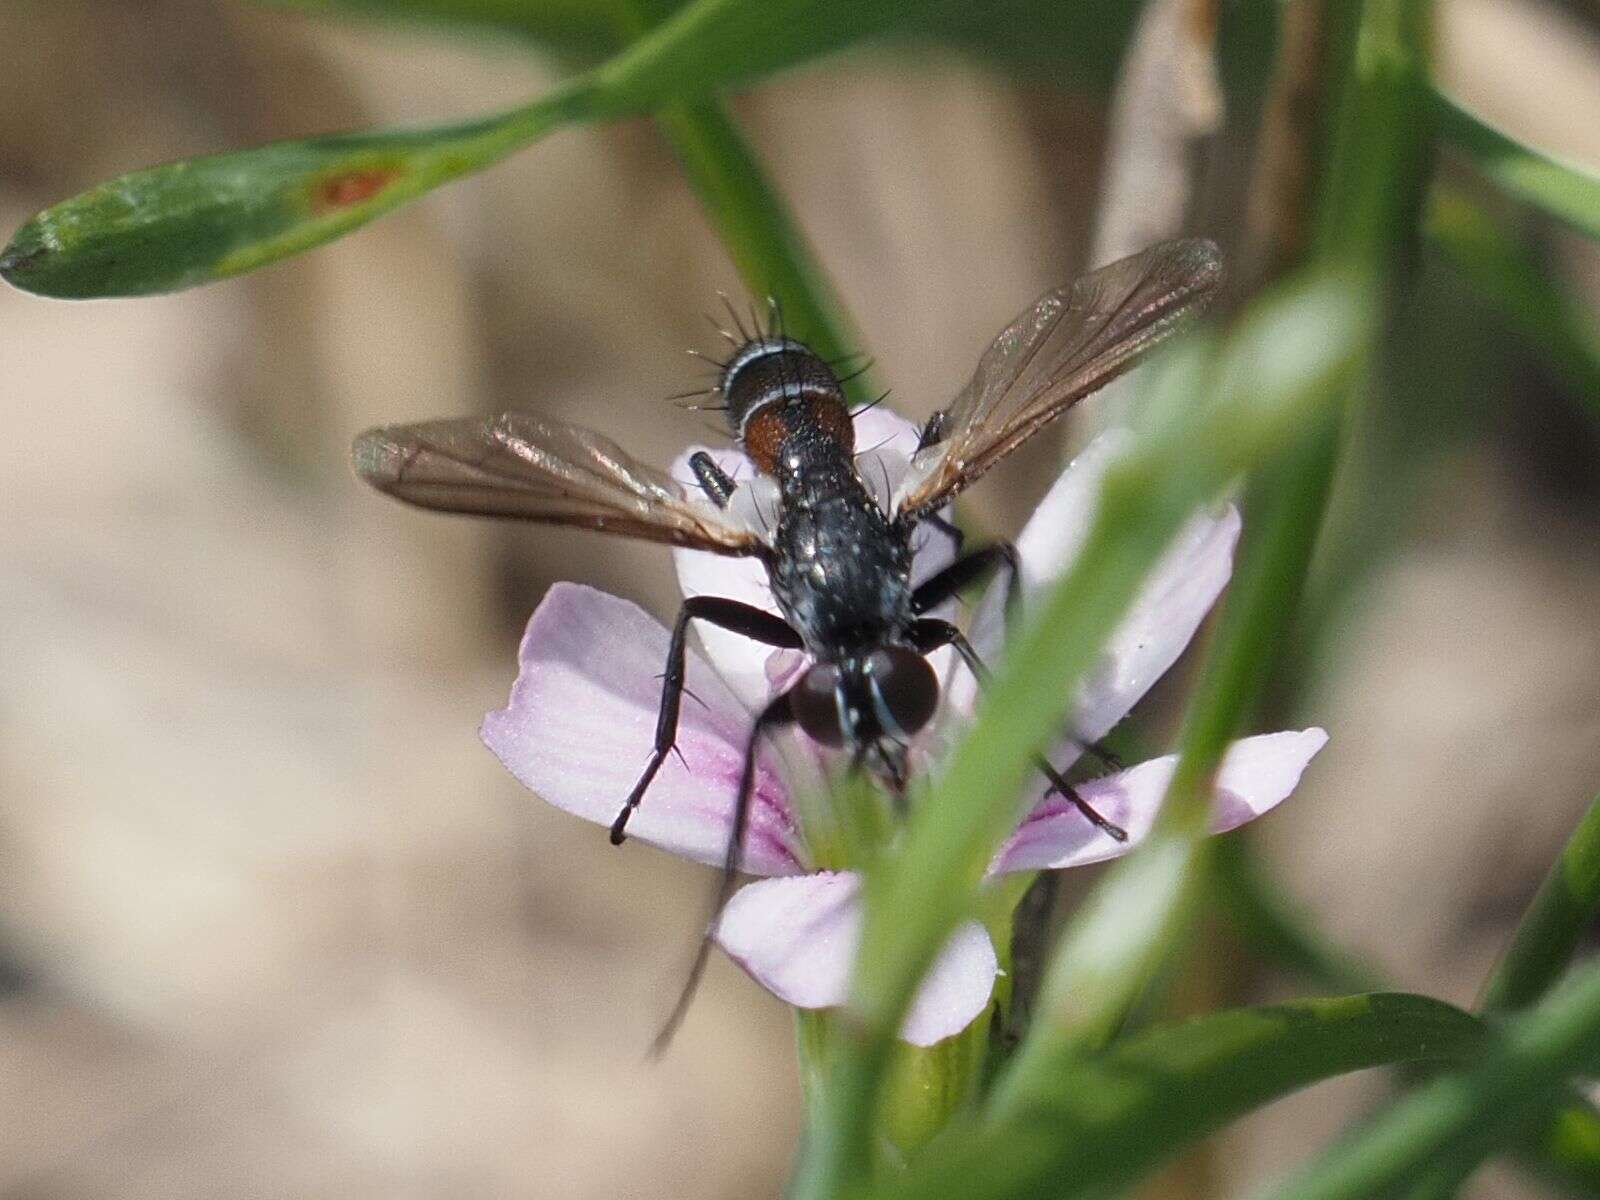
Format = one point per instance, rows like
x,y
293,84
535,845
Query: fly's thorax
x,y
777,391
840,569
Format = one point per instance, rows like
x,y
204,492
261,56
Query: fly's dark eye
x,y
904,689
815,704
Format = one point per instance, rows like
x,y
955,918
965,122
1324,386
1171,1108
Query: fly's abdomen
x,y
777,392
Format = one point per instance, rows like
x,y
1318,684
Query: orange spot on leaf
x,y
352,187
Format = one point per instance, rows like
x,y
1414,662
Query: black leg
x,y
929,634
949,528
775,714
714,481
966,570
932,432
754,623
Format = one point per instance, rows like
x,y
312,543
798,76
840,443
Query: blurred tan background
x,y
272,923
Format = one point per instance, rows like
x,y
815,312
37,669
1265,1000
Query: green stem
x,y
1560,917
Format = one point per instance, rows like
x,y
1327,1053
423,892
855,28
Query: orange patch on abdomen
x,y
763,437
765,429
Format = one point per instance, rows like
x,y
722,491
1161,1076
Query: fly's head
x,y
885,694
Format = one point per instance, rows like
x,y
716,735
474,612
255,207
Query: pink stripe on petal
x,y
797,938
1257,774
581,720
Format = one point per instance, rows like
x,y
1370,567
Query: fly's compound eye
x,y
816,704
903,689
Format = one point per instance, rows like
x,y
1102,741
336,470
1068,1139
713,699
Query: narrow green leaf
x,y
1561,916
192,222
1566,191
1555,322
1097,1123
1465,1115
1370,192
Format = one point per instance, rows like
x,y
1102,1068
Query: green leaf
x,y
1561,916
1464,1116
1566,191
1097,1123
191,222
1555,322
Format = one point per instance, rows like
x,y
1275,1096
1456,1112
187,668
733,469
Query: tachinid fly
x,y
838,560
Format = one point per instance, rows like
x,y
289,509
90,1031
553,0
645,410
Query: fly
x,y
838,560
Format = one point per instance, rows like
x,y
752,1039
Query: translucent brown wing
x,y
518,466
1072,341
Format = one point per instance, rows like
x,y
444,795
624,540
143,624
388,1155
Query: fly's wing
x,y
1071,342
518,466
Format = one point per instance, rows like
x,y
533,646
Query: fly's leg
x,y
754,623
949,528
774,715
966,570
716,483
932,432
929,634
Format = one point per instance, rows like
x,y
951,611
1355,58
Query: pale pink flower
x,y
582,714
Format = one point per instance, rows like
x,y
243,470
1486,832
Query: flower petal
x,y
797,938
1256,774
1170,605
581,721
1049,542
881,428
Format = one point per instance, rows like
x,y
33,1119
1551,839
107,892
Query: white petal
x,y
581,720
1256,774
1170,606
1047,547
881,428
797,937
1164,616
